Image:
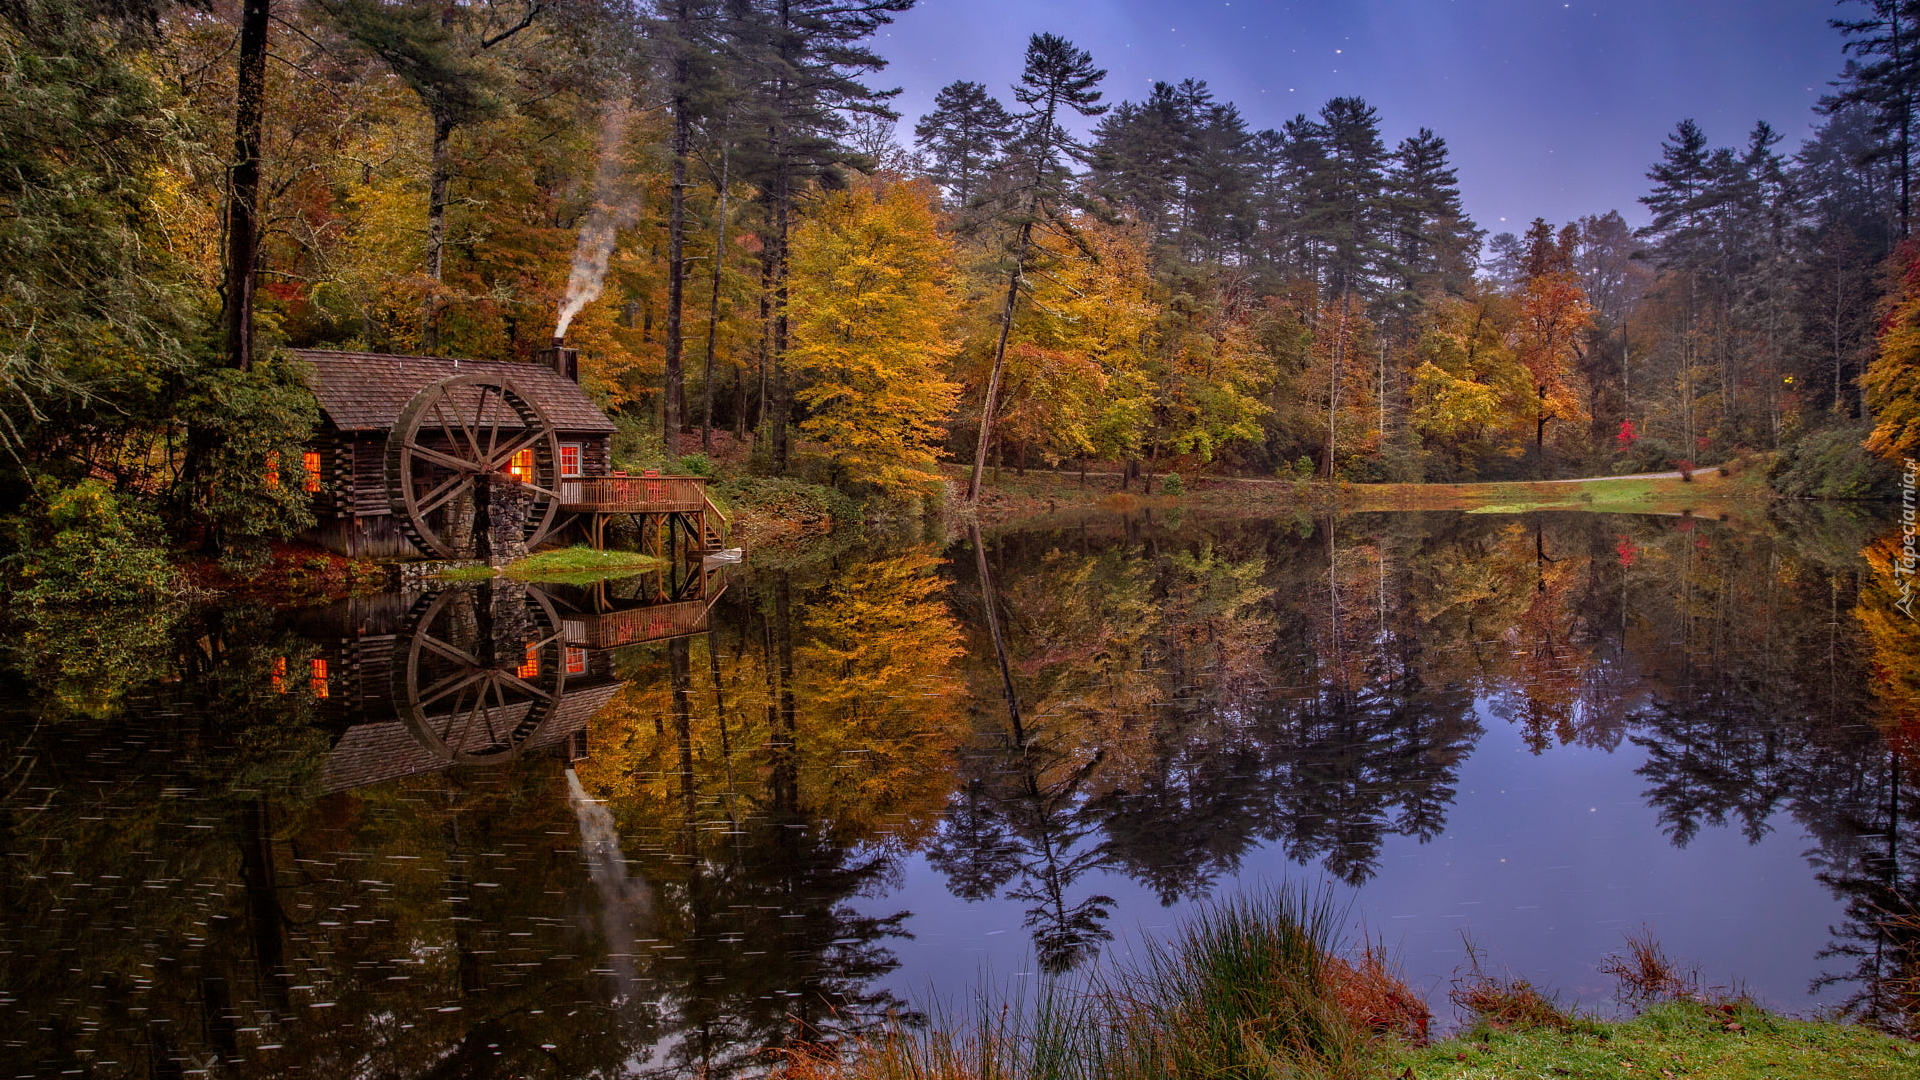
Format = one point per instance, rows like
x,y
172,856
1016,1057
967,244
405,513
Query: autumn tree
x,y
1892,380
1553,316
1058,80
1467,382
872,310
1075,378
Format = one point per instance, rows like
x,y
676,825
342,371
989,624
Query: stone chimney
x,y
561,359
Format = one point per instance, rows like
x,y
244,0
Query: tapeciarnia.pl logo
x,y
1903,567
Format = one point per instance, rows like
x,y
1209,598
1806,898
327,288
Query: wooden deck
x,y
634,495
662,507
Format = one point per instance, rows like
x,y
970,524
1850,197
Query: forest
x,y
718,204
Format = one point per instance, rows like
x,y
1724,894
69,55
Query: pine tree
x,y
1886,78
1058,79
807,59
963,136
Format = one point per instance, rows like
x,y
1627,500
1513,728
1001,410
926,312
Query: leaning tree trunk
x,y
243,192
992,397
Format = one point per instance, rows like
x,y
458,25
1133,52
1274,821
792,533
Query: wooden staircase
x,y
714,526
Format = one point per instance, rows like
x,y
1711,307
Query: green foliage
x,y
247,482
89,547
1171,484
91,304
81,672
1830,464
694,465
789,500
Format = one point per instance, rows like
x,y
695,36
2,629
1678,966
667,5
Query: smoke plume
x,y
615,206
626,903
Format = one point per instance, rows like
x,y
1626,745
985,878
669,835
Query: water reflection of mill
x,y
476,674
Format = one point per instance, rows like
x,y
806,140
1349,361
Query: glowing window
x,y
530,667
569,459
319,678
310,463
273,470
576,661
521,467
279,677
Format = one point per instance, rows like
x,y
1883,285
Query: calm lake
x,y
638,827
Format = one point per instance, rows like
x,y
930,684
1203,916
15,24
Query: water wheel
x,y
479,670
452,442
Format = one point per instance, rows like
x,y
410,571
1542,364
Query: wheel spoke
x,y
449,428
518,683
501,458
460,712
445,493
479,413
493,737
440,457
449,651
457,681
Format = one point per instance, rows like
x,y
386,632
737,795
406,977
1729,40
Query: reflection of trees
x,y
1763,696
764,776
1179,703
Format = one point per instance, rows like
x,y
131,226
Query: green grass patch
x,y
1675,1039
1526,507
572,565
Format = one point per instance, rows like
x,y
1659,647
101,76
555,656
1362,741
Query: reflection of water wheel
x,y
477,671
449,442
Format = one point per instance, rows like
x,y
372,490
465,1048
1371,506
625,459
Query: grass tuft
x,y
1249,989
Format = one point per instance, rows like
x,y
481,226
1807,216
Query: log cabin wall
x,y
361,396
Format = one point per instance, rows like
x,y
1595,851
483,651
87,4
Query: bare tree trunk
x,y
992,397
713,299
436,231
673,400
243,192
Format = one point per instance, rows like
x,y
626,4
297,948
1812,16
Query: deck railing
x,y
634,494
613,629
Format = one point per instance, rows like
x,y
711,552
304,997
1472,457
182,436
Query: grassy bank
x,y
1729,1041
561,564
1258,989
1742,493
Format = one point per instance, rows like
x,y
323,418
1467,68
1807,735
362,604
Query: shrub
x,y
90,547
1503,1001
1171,484
692,465
1830,464
1647,455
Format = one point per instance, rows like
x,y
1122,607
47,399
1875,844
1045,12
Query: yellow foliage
x,y
1892,379
871,316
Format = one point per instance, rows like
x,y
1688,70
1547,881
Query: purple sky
x,y
1551,108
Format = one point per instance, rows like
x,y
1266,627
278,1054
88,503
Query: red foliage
x,y
1627,551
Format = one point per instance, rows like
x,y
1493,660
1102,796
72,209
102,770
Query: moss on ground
x,y
1674,1039
575,565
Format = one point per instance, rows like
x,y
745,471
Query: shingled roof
x,y
363,391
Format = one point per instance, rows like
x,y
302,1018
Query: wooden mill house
x,y
444,458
